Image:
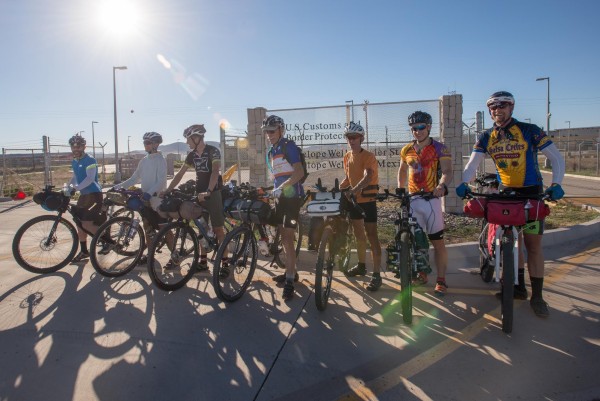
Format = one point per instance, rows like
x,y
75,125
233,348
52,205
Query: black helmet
x,y
420,117
196,129
500,97
77,140
154,137
270,123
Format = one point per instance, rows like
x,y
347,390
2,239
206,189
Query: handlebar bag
x,y
538,210
475,208
325,207
506,212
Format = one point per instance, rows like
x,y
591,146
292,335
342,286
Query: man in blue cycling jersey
x,y
89,204
513,146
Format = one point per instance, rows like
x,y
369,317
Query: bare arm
x,y
362,184
403,175
295,177
445,180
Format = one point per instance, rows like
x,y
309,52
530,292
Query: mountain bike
x,y
48,243
511,213
119,244
406,257
486,183
249,206
337,239
171,267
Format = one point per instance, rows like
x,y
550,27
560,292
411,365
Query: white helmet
x,y
500,97
153,137
196,129
353,128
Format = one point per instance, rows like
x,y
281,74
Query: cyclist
x,y
89,204
206,161
513,147
426,165
362,178
287,172
151,172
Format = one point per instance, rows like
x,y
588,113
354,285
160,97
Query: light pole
x,y
93,140
568,137
351,110
117,169
128,151
103,163
547,163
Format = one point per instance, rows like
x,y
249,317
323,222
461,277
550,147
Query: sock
x,y
203,259
521,278
537,284
376,274
440,279
360,264
224,261
83,246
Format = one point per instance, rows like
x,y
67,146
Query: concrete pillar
x,y
257,147
451,134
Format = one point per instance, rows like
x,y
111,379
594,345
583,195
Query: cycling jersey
x,y
282,167
85,175
514,152
203,165
151,172
424,166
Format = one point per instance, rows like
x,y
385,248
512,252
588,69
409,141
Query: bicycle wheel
x,y
406,260
117,247
346,253
277,248
172,266
231,281
45,244
508,280
324,269
486,267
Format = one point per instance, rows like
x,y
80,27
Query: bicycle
x,y
337,239
248,206
48,243
128,240
487,183
171,268
509,212
407,257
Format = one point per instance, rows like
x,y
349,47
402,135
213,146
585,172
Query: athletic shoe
x,y
374,284
540,307
518,293
420,279
288,290
81,256
359,270
440,288
281,278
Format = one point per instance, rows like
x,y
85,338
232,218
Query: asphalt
x,y
75,335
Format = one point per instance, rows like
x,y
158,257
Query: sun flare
x,y
118,17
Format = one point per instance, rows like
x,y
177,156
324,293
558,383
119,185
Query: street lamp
x,y
93,140
117,169
568,135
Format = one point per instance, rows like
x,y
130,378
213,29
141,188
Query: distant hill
x,y
176,147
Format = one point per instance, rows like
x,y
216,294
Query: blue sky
x,y
200,61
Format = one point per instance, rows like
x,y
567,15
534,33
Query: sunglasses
x,y
419,127
495,106
352,137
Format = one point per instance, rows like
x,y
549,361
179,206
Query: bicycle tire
x,y
277,243
344,260
126,251
406,260
231,282
508,280
486,268
31,252
183,254
324,269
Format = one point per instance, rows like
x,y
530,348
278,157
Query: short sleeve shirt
x,y
424,169
203,165
282,166
80,168
355,165
514,152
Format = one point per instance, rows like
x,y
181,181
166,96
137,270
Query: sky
x,y
200,61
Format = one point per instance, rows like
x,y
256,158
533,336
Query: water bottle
x,y
263,247
133,229
65,190
422,249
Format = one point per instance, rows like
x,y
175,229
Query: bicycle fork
x,y
497,238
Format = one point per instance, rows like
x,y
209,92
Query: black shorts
x,y
287,212
370,209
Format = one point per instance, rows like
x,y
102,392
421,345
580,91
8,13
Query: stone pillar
x,y
451,134
257,147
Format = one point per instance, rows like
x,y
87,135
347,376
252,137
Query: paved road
x,y
75,335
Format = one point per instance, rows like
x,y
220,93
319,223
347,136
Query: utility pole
x,y
128,151
103,163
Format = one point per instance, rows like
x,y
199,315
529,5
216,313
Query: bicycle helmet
x,y
420,117
270,123
499,97
353,128
153,137
77,140
196,129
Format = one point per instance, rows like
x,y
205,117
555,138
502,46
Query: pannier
x,y
246,210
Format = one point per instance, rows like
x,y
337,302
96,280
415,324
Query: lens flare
x,y
193,84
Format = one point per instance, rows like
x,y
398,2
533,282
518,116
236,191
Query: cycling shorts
x,y
214,205
287,212
428,213
370,209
